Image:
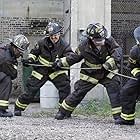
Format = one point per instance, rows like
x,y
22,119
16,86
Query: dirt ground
x,y
39,124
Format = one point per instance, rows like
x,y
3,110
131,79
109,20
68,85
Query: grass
x,y
95,107
100,108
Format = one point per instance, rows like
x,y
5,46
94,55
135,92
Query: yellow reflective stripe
x,y
15,67
135,71
88,79
64,62
110,60
44,61
31,56
67,107
37,75
108,57
55,74
131,60
116,110
93,65
3,103
128,117
111,75
20,105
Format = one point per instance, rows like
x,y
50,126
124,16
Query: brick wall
x,y
29,18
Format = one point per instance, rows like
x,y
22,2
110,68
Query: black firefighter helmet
x,y
52,29
96,30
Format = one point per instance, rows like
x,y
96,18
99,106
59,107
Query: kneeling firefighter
x,y
8,69
99,54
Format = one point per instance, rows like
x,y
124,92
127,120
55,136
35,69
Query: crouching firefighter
x,y
48,50
8,69
131,90
99,54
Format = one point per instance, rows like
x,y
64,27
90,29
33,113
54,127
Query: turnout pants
x,y
82,87
5,90
129,95
61,82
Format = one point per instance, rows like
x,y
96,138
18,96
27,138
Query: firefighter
x,y
98,52
48,50
8,69
131,90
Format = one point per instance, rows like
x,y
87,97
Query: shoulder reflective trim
x,y
131,60
44,61
20,105
111,75
88,79
99,66
116,110
67,107
135,71
64,62
37,75
128,117
15,67
31,56
55,74
3,103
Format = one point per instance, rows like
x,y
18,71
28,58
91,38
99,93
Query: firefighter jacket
x,y
8,62
134,61
46,53
93,58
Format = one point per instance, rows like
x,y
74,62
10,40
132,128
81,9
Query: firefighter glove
x,y
25,62
110,63
57,65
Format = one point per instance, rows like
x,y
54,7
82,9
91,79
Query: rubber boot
x,y
4,113
60,115
121,121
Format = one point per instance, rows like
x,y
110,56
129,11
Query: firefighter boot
x,y
4,113
116,116
121,121
17,112
60,115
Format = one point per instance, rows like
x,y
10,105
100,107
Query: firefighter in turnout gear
x,y
47,51
131,90
98,52
8,69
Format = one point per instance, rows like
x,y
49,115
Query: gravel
x,y
39,124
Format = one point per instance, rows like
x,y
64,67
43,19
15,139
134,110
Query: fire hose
x,y
96,68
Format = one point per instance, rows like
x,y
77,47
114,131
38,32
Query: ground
x,y
39,124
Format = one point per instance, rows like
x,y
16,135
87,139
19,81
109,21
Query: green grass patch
x,y
94,107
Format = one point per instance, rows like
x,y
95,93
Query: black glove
x,y
57,65
25,62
